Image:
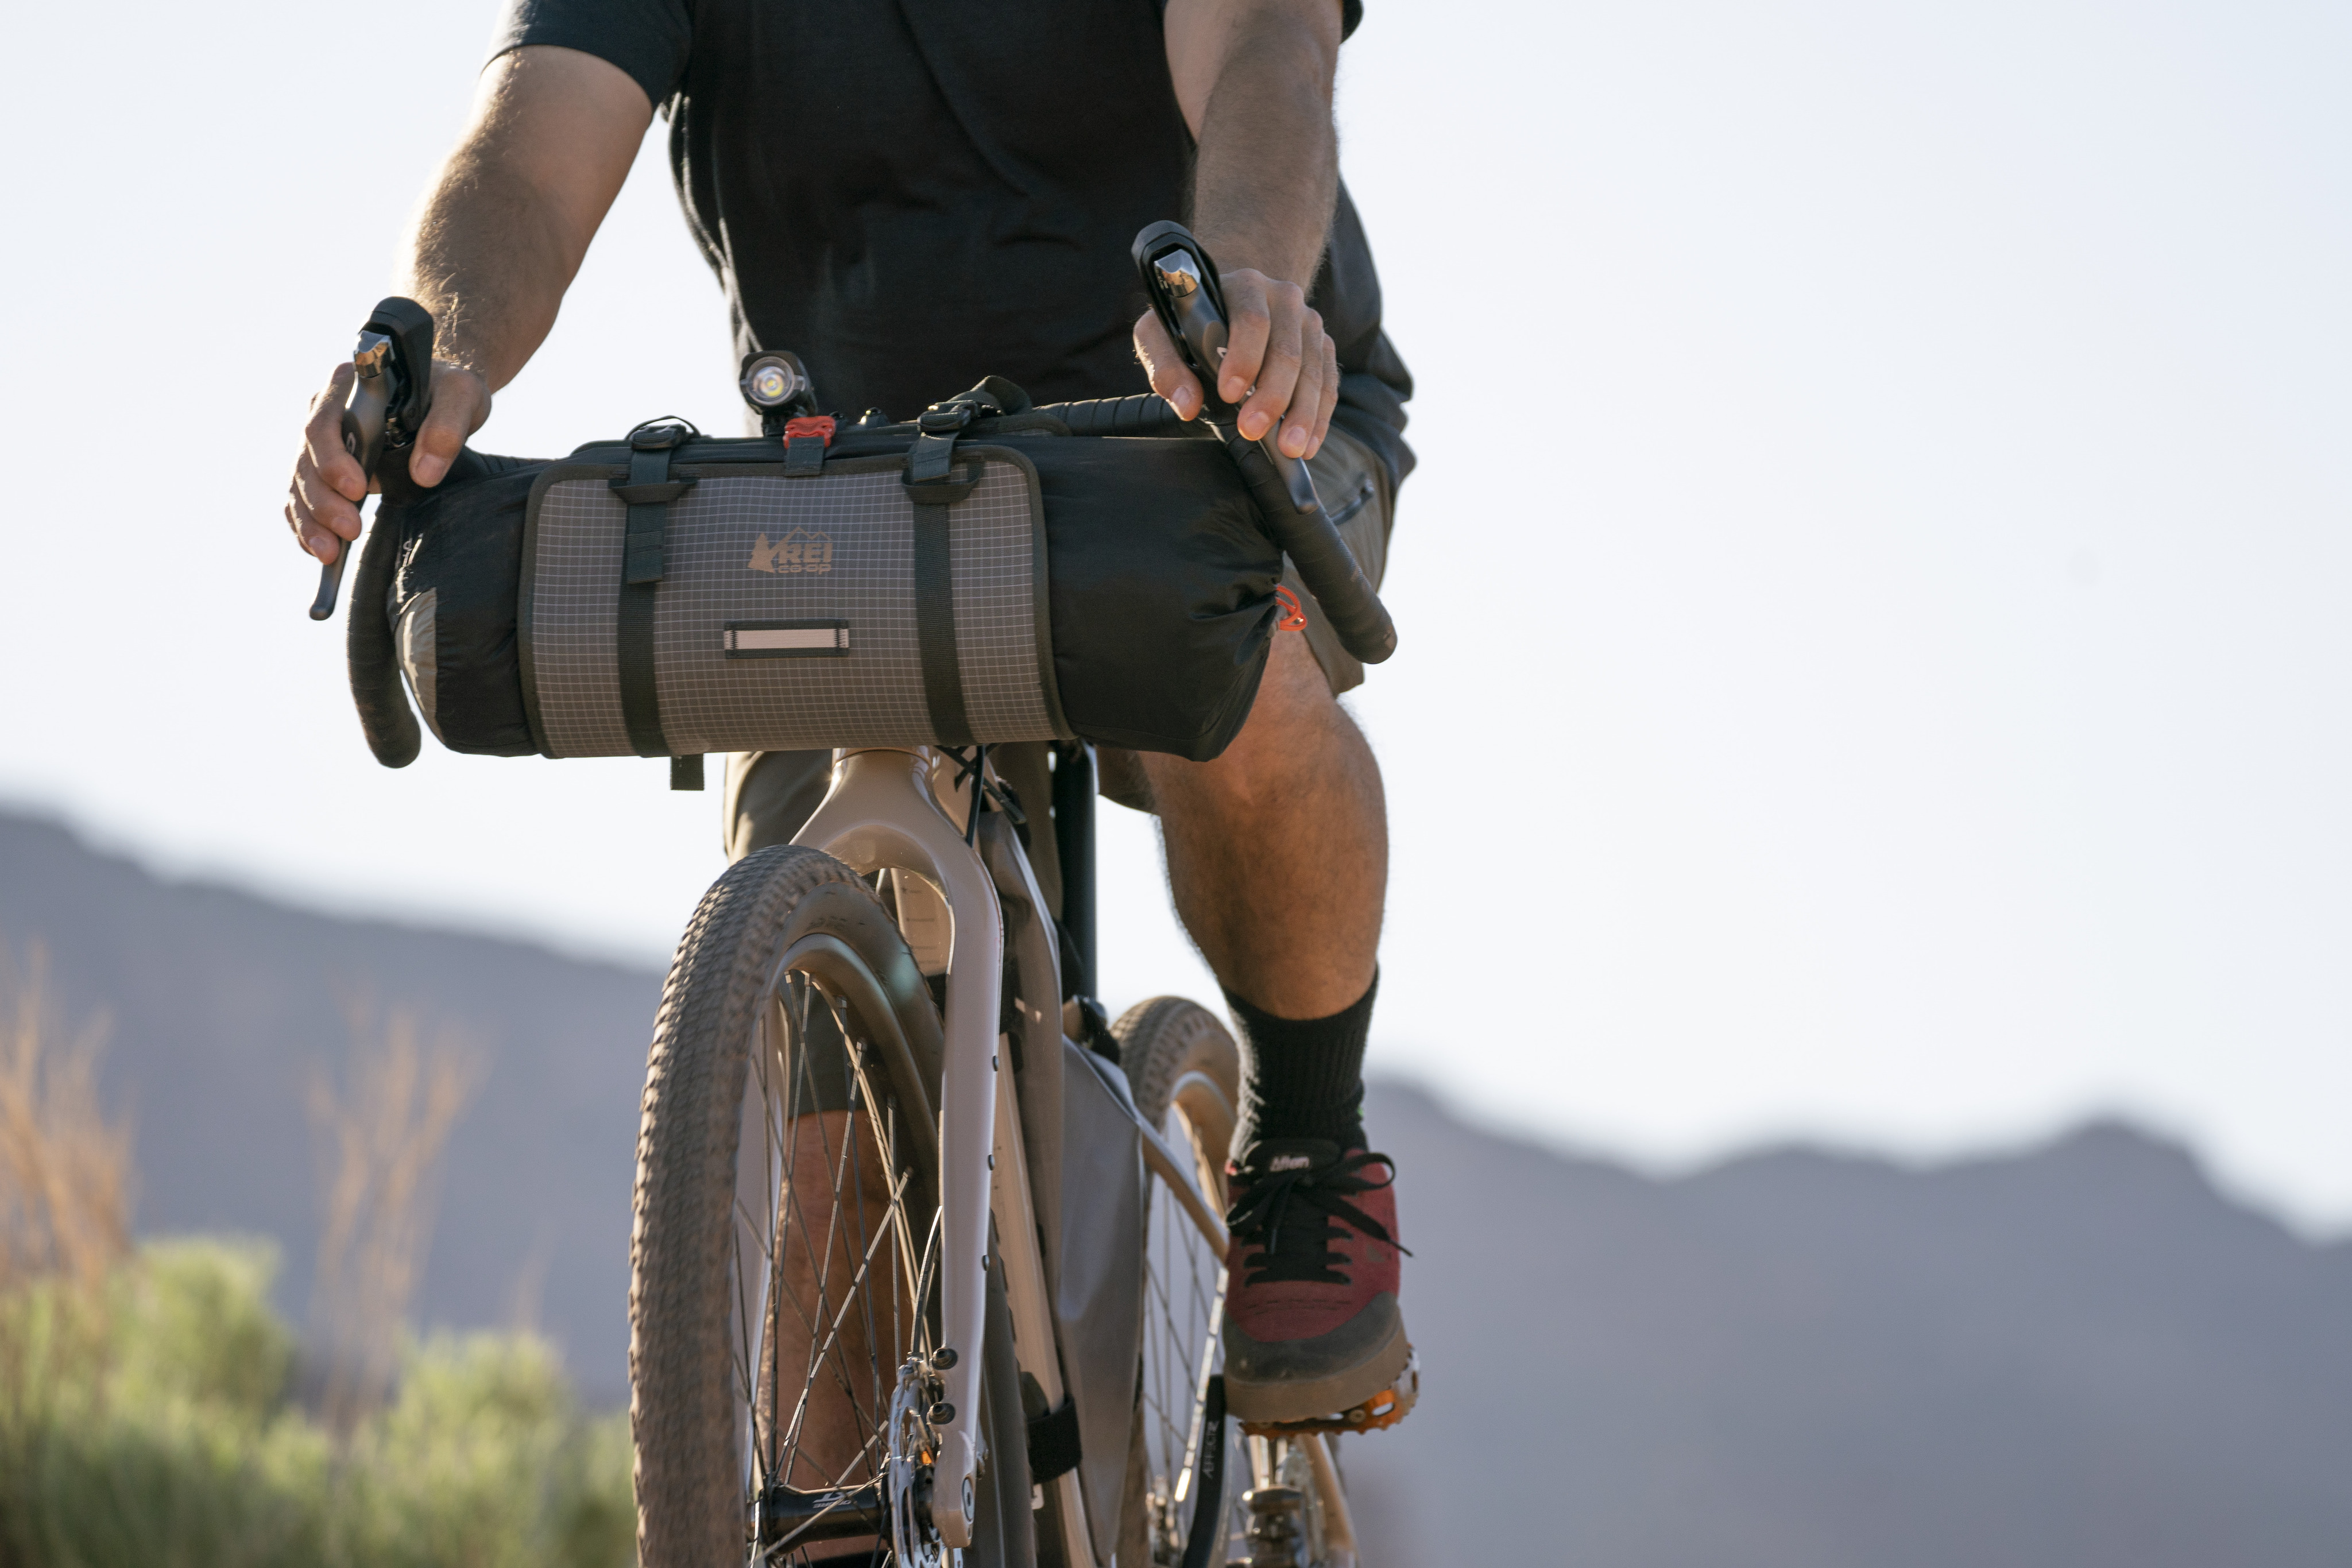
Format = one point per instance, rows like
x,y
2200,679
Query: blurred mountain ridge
x,y
2078,1354
224,1004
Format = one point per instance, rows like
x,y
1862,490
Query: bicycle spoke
x,y
822,1344
1183,1289
843,1253
852,1292
863,1108
832,1329
776,1233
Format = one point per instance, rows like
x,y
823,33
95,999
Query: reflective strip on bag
x,y
785,639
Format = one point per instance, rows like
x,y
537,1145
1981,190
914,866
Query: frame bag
x,y
981,576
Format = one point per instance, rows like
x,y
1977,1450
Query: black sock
x,y
1303,1077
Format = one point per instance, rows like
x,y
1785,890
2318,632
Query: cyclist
x,y
914,196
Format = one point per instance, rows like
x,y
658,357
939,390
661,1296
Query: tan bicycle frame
x,y
899,809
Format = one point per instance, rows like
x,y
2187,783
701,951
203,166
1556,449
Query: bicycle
x,y
929,1255
846,1233
910,887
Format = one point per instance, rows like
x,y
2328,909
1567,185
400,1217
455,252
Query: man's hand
x,y
1253,80
498,242
1277,346
322,504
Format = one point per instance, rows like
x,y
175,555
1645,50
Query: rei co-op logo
x,y
799,550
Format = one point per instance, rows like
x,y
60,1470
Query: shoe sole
x,y
1301,1399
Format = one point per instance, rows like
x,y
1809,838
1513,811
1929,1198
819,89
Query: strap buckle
x,y
661,435
944,419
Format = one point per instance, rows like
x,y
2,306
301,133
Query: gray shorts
x,y
770,793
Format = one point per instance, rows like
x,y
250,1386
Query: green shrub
x,y
484,1462
152,1430
200,1329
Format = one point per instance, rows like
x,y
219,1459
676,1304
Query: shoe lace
x,y
1289,1214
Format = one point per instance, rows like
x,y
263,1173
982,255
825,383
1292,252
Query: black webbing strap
x,y
649,491
935,447
934,632
803,455
1054,1442
932,486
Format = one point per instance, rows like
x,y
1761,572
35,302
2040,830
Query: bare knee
x,y
1297,734
1277,851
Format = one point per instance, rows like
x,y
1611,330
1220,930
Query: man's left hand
x,y
1280,365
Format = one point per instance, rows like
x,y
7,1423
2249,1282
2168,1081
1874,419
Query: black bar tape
x,y
1326,565
374,655
1144,413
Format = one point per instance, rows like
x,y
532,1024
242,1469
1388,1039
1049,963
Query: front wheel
x,y
783,1298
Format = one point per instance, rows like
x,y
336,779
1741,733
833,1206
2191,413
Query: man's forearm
x,y
509,221
1268,169
489,260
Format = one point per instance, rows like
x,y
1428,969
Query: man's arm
x,y
1253,78
498,239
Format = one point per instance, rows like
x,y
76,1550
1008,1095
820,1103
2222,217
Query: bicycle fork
x,y
880,813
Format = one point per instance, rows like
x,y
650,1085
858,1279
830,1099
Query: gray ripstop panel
x,y
992,567
574,618
851,537
769,548
757,547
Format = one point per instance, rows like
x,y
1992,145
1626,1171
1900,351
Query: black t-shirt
x,y
911,196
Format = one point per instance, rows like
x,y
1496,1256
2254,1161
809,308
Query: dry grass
x,y
64,1169
144,1415
65,1194
381,1138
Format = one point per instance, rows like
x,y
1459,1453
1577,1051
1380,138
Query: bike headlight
x,y
771,382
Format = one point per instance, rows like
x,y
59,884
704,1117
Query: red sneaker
x,y
1312,1327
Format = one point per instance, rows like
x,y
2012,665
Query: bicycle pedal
x,y
1386,1408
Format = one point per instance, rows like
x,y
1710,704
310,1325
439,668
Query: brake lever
x,y
1185,294
1190,301
390,397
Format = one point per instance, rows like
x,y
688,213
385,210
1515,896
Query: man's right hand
x,y
322,504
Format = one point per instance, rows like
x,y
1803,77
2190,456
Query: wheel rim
x,y
1184,1315
832,1253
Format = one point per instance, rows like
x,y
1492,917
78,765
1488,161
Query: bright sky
x,y
1874,658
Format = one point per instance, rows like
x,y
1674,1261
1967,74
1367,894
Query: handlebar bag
x,y
980,577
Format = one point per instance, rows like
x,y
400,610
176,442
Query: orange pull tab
x,y
1294,614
